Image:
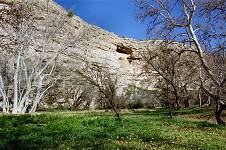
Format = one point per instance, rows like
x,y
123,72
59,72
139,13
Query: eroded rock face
x,y
97,45
118,54
8,1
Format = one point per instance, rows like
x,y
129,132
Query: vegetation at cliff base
x,y
139,129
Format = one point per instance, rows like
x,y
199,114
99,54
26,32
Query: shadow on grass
x,y
194,110
74,132
162,116
187,123
165,111
55,132
152,112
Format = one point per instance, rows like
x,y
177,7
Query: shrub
x,y
70,14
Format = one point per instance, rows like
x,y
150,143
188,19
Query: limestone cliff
x,y
118,54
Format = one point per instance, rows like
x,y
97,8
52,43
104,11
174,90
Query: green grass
x,y
141,129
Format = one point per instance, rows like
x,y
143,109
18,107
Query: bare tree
x,y
29,43
105,82
196,23
173,69
68,90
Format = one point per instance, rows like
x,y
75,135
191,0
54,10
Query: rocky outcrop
x,y
124,49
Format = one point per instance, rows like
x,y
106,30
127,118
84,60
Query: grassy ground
x,y
140,129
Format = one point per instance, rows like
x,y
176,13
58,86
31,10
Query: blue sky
x,y
116,16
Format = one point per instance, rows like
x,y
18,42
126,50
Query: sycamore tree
x,y
200,24
30,44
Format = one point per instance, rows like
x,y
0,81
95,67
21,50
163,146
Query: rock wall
x,y
103,47
120,55
100,46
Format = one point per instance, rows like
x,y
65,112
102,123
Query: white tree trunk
x,y
200,98
2,89
201,55
15,87
38,94
25,99
5,103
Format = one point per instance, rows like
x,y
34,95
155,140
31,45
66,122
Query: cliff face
x,y
97,45
118,54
